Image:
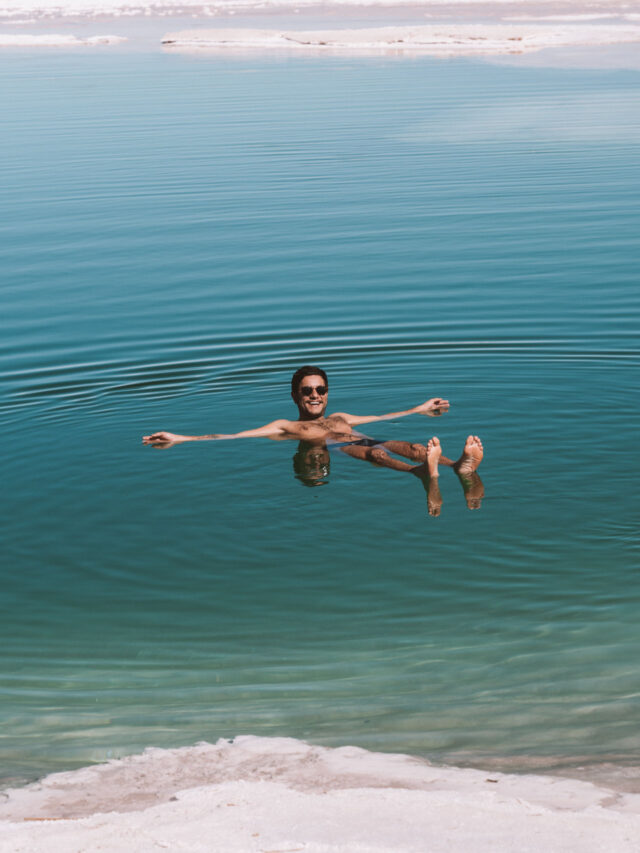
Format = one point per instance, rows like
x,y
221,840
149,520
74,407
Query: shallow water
x,y
179,235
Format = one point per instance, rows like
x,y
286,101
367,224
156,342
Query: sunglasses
x,y
307,390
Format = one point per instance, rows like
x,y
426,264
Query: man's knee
x,y
419,451
377,454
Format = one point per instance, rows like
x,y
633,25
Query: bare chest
x,y
323,428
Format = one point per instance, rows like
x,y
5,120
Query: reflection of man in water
x,y
311,463
310,389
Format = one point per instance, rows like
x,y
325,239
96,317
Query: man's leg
x,y
469,460
379,456
413,450
465,467
427,471
429,458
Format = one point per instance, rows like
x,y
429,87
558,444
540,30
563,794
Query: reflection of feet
x,y
432,488
471,457
434,452
473,489
434,498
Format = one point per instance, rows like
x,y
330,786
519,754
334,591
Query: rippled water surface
x,y
179,235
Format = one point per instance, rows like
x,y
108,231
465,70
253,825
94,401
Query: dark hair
x,y
307,370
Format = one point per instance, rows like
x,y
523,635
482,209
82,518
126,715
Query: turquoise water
x,y
179,235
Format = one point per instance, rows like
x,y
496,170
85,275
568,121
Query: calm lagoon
x,y
179,234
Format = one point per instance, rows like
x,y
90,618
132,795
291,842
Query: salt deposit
x,y
267,794
55,40
454,39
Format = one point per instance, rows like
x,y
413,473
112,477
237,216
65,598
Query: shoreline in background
x,y
257,793
546,32
439,40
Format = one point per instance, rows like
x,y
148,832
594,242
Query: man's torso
x,y
331,428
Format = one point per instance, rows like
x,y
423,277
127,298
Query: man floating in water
x,y
310,390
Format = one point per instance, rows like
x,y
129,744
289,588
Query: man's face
x,y
310,402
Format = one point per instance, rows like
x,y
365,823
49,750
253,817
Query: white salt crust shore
x,y
55,40
450,40
493,28
434,39
279,795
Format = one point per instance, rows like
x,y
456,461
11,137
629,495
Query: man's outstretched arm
x,y
273,429
433,407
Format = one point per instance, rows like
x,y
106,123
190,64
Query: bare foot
x,y
434,452
429,468
471,457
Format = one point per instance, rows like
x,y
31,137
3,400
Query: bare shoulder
x,y
274,428
280,429
341,417
351,420
281,426
285,425
289,428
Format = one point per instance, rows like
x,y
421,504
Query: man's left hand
x,y
434,407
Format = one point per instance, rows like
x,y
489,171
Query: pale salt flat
x,y
565,18
267,794
55,40
436,39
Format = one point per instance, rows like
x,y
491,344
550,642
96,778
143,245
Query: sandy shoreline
x,y
268,794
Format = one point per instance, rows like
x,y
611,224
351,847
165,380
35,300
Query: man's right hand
x,y
164,439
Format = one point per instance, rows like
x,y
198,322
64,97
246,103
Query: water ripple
x,y
236,360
